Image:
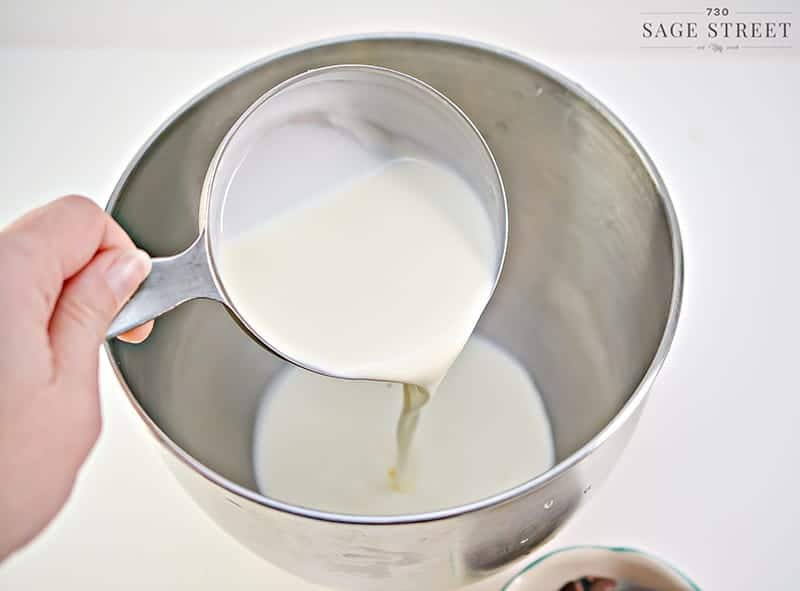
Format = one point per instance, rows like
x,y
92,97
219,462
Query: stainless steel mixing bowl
x,y
588,301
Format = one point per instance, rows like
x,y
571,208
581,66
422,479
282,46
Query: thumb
x,y
88,303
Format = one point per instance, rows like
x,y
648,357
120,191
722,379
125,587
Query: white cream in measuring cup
x,y
383,277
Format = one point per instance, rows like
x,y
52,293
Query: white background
x,y
710,481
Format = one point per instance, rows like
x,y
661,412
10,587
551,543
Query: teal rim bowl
x,y
595,566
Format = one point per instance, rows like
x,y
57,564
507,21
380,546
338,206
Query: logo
x,y
718,30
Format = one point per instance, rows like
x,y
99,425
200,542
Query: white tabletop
x,y
710,479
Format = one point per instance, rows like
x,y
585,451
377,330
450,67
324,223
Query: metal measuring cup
x,y
391,114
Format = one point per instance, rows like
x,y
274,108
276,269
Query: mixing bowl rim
x,y
628,409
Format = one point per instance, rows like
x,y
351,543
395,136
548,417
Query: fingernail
x,y
127,272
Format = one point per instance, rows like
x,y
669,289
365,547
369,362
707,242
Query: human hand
x,y
66,270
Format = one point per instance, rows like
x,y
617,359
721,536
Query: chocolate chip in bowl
x,y
602,584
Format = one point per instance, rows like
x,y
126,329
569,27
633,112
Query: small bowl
x,y
552,571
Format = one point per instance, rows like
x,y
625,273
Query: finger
x,y
87,305
56,241
138,334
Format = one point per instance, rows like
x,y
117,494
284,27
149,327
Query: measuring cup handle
x,y
172,281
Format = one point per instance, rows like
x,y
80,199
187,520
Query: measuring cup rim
x,y
206,200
